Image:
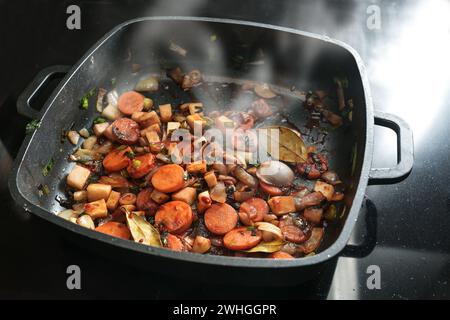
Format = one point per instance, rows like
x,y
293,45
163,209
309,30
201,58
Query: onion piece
x,y
218,193
100,96
245,177
241,196
73,137
147,85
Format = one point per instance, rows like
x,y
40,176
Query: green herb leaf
x,y
48,167
32,125
99,120
84,101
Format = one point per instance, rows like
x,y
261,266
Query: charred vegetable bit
x,y
151,172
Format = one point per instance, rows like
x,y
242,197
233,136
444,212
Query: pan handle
x,y
405,150
35,87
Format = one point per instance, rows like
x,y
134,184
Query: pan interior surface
x,y
227,54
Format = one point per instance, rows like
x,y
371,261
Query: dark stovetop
x,y
408,68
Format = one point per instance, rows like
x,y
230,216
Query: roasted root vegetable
x,y
78,177
165,112
86,221
324,188
193,178
282,204
96,209
201,245
113,200
187,195
97,191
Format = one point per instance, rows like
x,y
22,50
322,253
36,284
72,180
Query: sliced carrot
x,y
255,209
145,202
174,216
141,165
241,239
168,178
115,229
174,243
269,189
220,218
280,255
117,159
130,102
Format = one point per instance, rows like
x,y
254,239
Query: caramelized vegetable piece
x,y
159,197
141,165
168,178
326,189
220,218
115,229
253,210
280,255
144,202
115,180
313,215
291,232
282,204
313,242
117,159
242,238
201,244
270,190
78,177
174,216
125,131
96,209
165,111
127,199
97,191
130,102
311,199
187,195
174,243
113,200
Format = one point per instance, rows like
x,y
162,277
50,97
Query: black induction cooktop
x,y
405,227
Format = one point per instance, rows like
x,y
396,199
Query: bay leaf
x,y
291,147
267,247
142,231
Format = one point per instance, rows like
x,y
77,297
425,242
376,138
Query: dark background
x,y
409,72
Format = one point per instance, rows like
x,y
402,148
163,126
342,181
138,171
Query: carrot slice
x,y
254,208
269,189
280,255
241,239
174,216
141,165
168,178
174,243
220,218
130,102
115,229
117,159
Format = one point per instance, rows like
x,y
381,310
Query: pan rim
x,y
332,251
